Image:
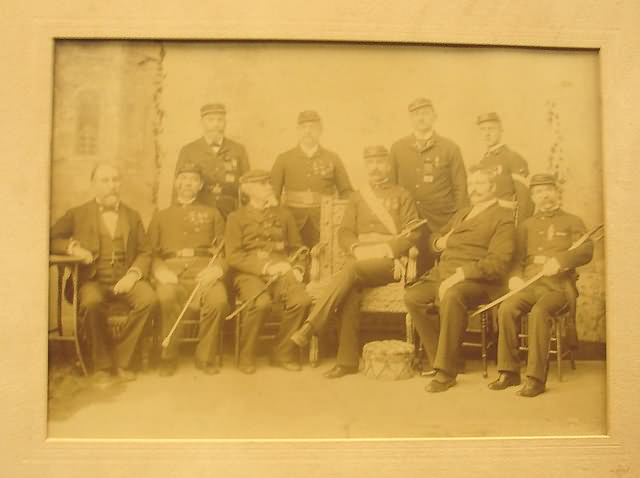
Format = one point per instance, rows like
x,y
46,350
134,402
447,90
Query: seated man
x,y
476,249
181,237
542,244
109,238
257,239
372,233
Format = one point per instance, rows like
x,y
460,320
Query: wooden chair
x,y
563,339
328,258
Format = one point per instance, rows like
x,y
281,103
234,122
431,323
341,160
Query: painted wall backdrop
x,y
138,103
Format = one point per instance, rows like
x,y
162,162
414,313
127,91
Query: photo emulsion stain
x,y
288,240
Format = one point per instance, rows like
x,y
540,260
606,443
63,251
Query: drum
x,y
388,360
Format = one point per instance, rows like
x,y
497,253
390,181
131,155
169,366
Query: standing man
x,y
302,175
511,168
431,168
542,244
181,239
221,160
109,238
258,239
374,233
476,250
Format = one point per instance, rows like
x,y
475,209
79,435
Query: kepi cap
x,y
213,109
307,116
375,151
419,103
255,176
542,179
488,117
188,167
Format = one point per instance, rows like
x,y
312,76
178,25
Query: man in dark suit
x,y
221,160
371,233
510,167
542,244
258,240
305,173
431,168
476,248
110,239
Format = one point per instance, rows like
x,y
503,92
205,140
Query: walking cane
x,y
167,340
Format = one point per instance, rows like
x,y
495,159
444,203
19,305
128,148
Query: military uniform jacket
x,y
435,176
507,164
185,227
307,179
220,171
359,219
255,238
81,224
482,246
546,235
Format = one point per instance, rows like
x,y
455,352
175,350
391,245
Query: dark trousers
x,y
343,296
213,307
541,303
94,298
295,301
442,334
309,233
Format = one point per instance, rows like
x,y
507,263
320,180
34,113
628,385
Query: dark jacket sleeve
x,y
582,254
236,256
459,179
444,231
243,159
348,230
155,241
495,264
343,184
62,233
142,260
408,213
277,176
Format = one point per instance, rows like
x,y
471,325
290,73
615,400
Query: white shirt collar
x,y
481,206
426,137
185,203
495,147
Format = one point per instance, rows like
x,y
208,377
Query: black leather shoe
x,y
506,379
440,383
168,368
247,368
532,388
207,367
340,371
302,336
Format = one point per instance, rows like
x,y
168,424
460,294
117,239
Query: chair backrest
x,y
332,257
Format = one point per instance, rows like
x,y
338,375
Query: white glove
x,y
278,268
82,253
516,282
377,251
551,267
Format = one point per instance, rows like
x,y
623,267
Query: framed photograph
x,y
140,100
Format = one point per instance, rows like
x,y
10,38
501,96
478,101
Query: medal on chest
x,y
551,232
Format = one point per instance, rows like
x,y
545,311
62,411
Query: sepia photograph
x,y
342,239
304,240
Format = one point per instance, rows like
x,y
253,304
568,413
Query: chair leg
x,y
558,327
483,327
408,324
236,349
313,351
220,346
